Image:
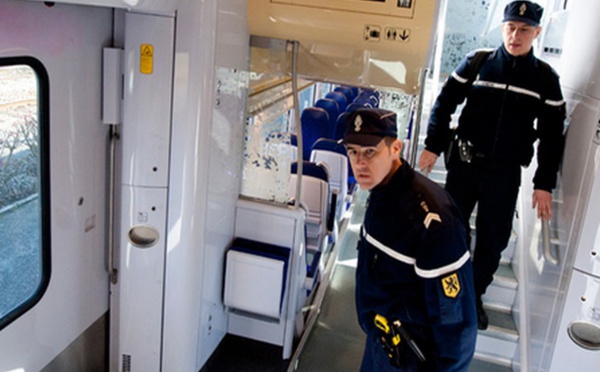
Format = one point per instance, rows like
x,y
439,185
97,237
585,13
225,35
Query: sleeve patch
x,y
431,217
451,285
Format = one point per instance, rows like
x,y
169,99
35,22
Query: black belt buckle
x,y
465,150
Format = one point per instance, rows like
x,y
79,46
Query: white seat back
x,y
315,198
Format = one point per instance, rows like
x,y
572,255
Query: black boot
x,y
482,318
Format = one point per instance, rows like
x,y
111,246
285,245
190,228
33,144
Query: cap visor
x,y
363,139
530,22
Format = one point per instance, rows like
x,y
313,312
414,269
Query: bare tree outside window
x,y
20,216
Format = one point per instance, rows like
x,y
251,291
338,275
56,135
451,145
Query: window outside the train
x,y
24,186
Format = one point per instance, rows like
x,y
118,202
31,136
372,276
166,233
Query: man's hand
x,y
543,200
427,161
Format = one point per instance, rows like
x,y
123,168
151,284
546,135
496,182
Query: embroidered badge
x,y
451,285
522,9
357,123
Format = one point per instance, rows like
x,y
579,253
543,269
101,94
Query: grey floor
x,y
337,341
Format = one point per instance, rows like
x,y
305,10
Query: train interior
x,y
174,195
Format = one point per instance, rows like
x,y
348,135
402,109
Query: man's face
x,y
518,37
372,164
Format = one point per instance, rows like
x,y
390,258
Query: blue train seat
x,y
358,104
294,144
370,96
348,92
315,125
340,125
339,134
340,98
333,155
332,108
293,139
355,91
315,198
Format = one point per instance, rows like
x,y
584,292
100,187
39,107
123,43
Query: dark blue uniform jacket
x,y
414,266
498,118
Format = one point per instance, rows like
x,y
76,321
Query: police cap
x,y
523,11
368,126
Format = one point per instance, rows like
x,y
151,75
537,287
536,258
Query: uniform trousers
x,y
494,187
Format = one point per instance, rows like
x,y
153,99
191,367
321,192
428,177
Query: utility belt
x,y
460,149
467,153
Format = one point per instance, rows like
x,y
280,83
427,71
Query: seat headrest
x,y
314,115
340,98
329,145
312,170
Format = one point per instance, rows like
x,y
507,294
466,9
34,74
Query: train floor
x,y
335,342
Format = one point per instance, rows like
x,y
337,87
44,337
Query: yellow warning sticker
x,y
146,58
451,285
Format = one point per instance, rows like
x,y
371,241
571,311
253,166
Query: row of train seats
x,y
326,118
322,128
265,290
326,175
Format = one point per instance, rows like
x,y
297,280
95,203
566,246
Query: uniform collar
x,y
519,61
399,182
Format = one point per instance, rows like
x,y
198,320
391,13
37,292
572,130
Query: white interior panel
x,y
583,305
148,69
68,40
580,62
141,278
253,283
145,137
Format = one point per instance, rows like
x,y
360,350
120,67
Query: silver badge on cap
x,y
357,123
522,9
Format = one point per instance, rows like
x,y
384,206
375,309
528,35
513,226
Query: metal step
x,y
498,344
485,364
502,292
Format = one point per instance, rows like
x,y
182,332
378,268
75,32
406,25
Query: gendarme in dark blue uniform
x,y
413,265
413,262
509,94
513,99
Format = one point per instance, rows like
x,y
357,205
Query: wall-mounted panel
x,y
360,42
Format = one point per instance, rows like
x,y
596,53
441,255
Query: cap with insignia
x,y
523,11
368,126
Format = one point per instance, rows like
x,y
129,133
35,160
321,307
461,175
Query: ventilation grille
x,y
126,367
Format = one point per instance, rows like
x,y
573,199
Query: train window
x,y
268,152
24,186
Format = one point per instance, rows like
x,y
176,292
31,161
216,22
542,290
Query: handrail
x,y
414,137
112,270
546,240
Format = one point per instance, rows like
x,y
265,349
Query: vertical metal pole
x,y
298,125
414,137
